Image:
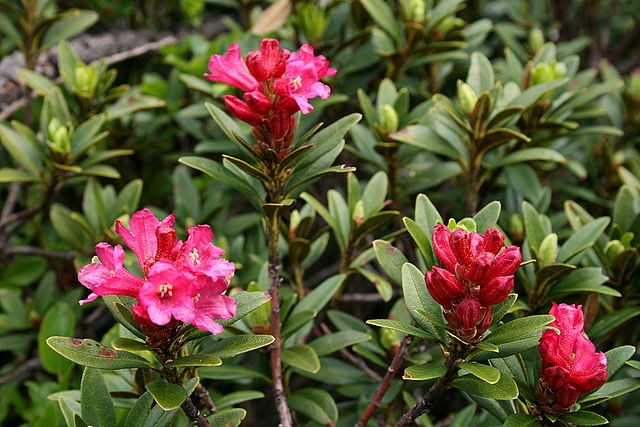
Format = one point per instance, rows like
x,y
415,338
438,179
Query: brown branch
x,y
29,250
26,367
365,297
204,398
395,365
194,414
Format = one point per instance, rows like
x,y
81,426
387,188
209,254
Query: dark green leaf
x,y
90,353
168,396
97,407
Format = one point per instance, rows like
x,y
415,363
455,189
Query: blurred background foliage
x,y
535,104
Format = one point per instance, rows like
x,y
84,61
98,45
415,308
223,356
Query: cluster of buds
x,y
477,274
276,84
183,280
571,366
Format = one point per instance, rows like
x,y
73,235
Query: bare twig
x,y
356,361
396,363
26,367
29,250
204,398
365,297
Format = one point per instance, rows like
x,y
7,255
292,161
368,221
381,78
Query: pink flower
x,y
268,62
301,83
210,304
320,63
108,277
570,365
168,292
143,237
202,257
231,69
242,110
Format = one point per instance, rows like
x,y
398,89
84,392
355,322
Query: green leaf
x,y
480,76
400,327
236,397
427,371
320,295
39,83
246,302
168,396
509,348
504,389
10,30
605,324
297,321
584,418
418,299
422,241
16,175
86,135
374,193
487,216
501,309
390,258
59,320
302,357
231,417
534,228
231,347
528,155
587,279
582,239
373,223
527,98
316,404
521,420
383,15
139,411
21,150
196,360
616,358
73,22
330,343
97,407
518,328
129,104
90,353
120,308
486,373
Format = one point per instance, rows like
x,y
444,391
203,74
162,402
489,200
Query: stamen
x,y
296,83
194,256
165,290
196,298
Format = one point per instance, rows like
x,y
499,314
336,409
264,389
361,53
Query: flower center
x,y
113,273
296,83
194,256
196,298
165,290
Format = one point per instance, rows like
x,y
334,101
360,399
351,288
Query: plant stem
x,y
386,382
457,353
473,180
194,414
273,234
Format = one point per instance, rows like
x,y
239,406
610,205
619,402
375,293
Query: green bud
x,y
547,72
536,39
467,224
59,137
416,10
516,227
86,80
389,118
449,23
358,213
53,127
466,96
388,338
548,250
294,220
613,249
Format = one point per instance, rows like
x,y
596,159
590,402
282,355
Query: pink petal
x,y
231,69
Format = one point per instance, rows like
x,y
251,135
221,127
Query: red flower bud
x,y
444,287
507,262
280,125
570,365
166,237
268,62
496,290
442,247
493,240
460,245
241,110
288,105
470,312
258,102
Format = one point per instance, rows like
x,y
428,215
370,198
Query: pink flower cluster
x,y
571,366
184,280
478,273
276,84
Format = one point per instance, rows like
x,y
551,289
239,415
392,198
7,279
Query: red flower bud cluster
x,y
478,273
571,366
276,84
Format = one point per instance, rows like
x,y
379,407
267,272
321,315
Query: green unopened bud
x,y
86,80
416,10
547,72
548,250
466,96
448,24
467,224
388,338
53,127
313,21
516,227
358,213
389,118
294,220
536,39
59,137
613,249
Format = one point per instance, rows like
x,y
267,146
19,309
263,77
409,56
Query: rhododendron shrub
x,y
184,280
